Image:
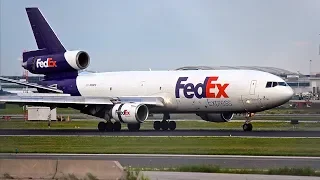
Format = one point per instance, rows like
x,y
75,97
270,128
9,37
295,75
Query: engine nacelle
x,y
214,117
54,63
130,112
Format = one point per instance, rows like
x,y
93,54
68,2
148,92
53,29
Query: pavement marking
x,y
172,136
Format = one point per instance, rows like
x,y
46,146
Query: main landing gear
x,y
247,126
110,126
164,124
116,126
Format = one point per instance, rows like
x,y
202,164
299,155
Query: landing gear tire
x,y
133,127
157,125
247,127
117,126
102,126
109,126
164,125
172,125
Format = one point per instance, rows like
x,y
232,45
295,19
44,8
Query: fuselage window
x,y
268,84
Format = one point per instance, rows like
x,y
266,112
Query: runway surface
x,y
93,132
156,175
163,161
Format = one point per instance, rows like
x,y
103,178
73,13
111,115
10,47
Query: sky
x,y
126,35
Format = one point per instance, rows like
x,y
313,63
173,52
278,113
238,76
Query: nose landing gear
x,y
247,126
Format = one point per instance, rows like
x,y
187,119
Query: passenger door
x,y
253,86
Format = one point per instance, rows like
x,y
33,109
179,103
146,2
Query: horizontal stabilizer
x,y
31,85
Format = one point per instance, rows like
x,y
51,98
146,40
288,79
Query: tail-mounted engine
x,y
213,117
130,112
37,63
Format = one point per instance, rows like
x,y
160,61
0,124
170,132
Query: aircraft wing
x,y
46,99
57,97
31,85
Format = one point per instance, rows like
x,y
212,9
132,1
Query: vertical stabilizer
x,y
46,39
51,58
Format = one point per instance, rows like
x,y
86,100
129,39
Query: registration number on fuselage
x,y
219,103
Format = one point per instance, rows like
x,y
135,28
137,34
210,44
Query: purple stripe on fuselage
x,y
68,86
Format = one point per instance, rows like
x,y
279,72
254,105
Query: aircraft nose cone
x,y
288,93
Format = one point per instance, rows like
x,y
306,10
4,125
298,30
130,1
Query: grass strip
x,y
306,171
190,124
161,145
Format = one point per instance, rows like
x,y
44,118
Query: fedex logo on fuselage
x,y
46,64
190,90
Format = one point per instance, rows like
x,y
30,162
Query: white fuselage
x,y
228,91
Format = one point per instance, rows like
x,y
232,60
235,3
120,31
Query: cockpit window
x,y
274,84
282,83
268,84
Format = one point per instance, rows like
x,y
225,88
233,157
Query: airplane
x,y
128,97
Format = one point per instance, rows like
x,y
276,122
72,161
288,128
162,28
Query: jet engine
x,y
78,60
130,112
213,117
54,63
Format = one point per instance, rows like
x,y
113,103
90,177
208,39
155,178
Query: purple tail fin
x,y
47,41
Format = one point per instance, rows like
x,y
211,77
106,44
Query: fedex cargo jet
x,y
128,97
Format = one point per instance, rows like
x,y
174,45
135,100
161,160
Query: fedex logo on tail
x,y
190,90
46,64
